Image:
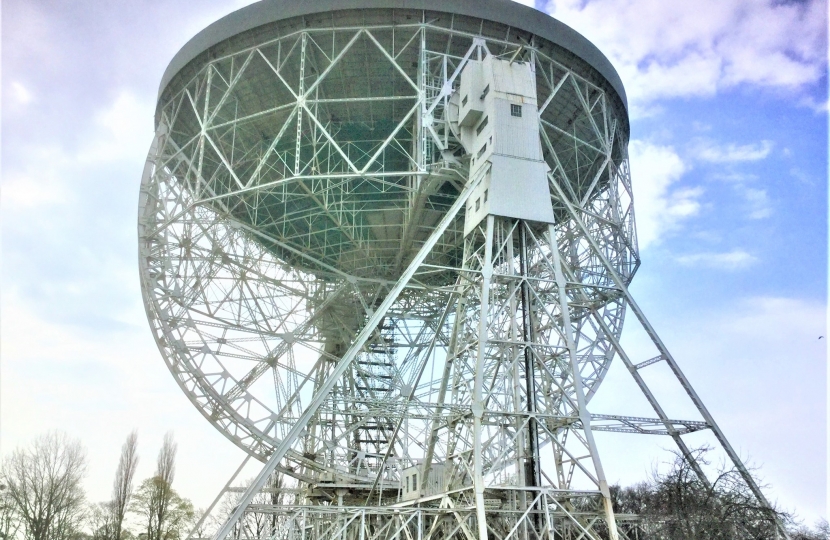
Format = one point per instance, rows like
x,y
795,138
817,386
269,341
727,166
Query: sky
x,y
728,103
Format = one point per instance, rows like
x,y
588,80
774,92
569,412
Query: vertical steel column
x,y
584,416
533,474
478,401
518,500
301,102
533,471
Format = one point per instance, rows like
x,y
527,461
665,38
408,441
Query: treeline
x,y
41,498
678,505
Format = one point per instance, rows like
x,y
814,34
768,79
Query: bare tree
x,y
44,486
821,532
165,471
677,505
253,524
165,514
122,488
166,463
9,522
207,527
100,519
170,524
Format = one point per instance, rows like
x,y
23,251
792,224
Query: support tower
x,y
385,249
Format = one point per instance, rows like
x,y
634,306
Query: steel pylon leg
x,y
672,363
514,368
584,415
478,398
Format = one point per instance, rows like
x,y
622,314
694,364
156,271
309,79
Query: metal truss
x,y
308,283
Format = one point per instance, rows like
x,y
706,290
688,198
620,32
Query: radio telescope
x,y
385,249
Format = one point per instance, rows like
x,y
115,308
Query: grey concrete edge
x,y
504,11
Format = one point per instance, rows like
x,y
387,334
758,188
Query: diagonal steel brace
x,y
344,363
664,351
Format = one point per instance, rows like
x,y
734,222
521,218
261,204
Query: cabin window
x,y
485,92
481,152
482,125
515,110
464,101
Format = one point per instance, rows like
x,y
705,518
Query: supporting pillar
x,y
478,400
584,415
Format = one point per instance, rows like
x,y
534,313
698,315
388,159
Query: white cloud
x,y
731,260
19,94
39,185
674,49
123,131
661,206
758,203
707,150
735,177
821,106
802,176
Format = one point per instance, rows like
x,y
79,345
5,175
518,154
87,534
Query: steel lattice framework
x,y
308,282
